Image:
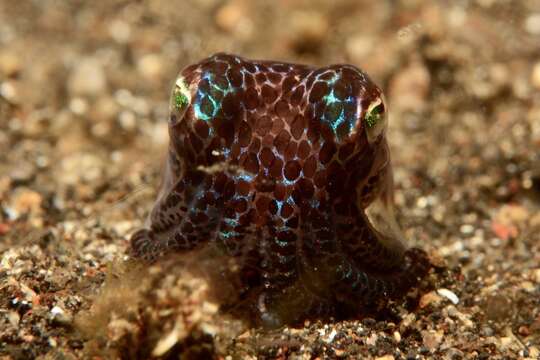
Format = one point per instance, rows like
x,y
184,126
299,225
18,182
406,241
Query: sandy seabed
x,y
84,91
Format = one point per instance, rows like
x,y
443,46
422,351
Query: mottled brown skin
x,y
276,164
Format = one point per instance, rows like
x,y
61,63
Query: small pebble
x,y
486,331
87,78
151,66
429,298
372,340
535,76
328,339
536,275
454,354
120,31
532,24
60,317
168,341
359,46
13,318
78,106
466,229
232,18
524,330
307,30
10,64
432,339
449,295
26,201
22,174
9,92
385,357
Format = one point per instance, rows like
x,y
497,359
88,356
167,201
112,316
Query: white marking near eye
x,y
181,86
374,104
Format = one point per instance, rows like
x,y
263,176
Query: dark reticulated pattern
x,y
271,162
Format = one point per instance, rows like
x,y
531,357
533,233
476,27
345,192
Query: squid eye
x,y
180,99
375,120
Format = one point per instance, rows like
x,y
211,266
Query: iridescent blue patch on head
x,y
339,112
210,95
228,234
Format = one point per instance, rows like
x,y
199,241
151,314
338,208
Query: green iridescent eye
x,y
180,100
374,115
375,120
181,95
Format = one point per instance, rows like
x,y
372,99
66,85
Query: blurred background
x,y
84,91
